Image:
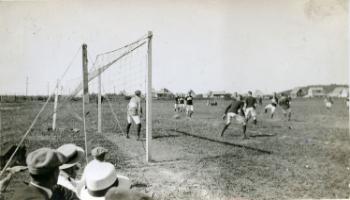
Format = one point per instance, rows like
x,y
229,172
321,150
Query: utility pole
x,y
48,88
27,82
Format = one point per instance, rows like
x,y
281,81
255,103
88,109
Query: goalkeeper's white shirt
x,y
134,106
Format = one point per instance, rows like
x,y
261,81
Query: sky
x,y
231,45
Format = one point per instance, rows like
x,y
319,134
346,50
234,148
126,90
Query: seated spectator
x,y
99,178
115,194
43,167
69,170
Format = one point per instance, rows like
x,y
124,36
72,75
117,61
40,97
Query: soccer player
x,y
176,105
250,105
181,103
285,105
235,110
189,105
272,106
328,102
134,113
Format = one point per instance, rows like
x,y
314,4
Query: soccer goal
x,y
110,80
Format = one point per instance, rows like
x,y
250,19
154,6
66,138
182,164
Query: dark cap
x,y
44,160
98,151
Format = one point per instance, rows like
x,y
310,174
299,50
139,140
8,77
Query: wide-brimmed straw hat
x,y
73,153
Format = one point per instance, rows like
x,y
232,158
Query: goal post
x,y
149,99
119,73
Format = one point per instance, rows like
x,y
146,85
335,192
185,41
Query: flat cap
x,y
44,160
98,151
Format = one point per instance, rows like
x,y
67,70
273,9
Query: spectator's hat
x,y
99,178
98,151
73,153
44,160
115,194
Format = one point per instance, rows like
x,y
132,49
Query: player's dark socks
x,y
138,130
244,130
265,111
224,129
271,116
255,121
127,130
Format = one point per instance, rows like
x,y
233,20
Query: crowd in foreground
x,y
54,176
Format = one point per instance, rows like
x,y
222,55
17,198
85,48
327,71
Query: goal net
x,y
114,76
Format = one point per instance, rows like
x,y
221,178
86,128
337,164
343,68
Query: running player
x,y
134,113
328,102
235,110
250,105
176,105
189,105
272,106
181,103
285,105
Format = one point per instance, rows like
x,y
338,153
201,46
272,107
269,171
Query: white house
x,y
339,92
315,92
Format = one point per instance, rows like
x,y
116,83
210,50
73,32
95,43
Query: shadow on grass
x,y
263,135
224,142
165,136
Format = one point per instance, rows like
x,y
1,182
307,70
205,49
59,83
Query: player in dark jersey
x,y
181,103
235,110
250,105
284,103
272,106
176,105
189,105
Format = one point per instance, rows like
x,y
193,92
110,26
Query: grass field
x,y
310,160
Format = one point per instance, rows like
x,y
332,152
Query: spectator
x,y
69,171
99,178
115,194
43,166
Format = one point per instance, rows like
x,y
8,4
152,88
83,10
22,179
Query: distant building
x,y
339,92
163,93
315,92
218,94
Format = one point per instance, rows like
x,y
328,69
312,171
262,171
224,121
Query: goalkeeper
x,y
134,113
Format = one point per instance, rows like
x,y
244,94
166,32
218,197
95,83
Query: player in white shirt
x,y
134,113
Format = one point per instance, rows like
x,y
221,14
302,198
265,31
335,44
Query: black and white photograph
x,y
174,100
